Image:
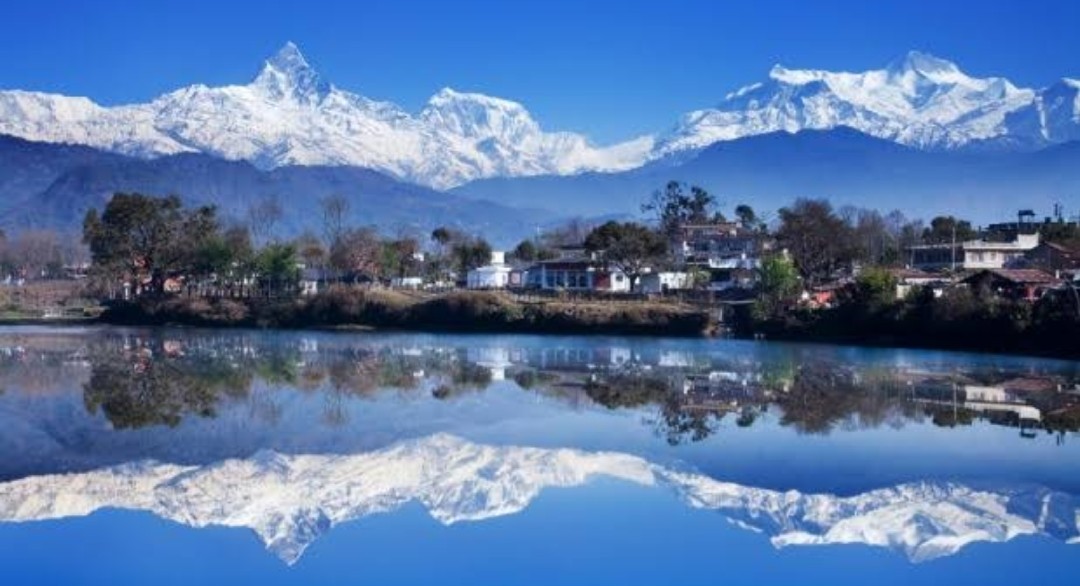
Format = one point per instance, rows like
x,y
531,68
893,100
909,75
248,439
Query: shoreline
x,y
456,312
492,313
876,343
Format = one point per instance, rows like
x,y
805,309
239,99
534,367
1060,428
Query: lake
x,y
175,456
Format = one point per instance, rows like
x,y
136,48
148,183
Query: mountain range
x,y
936,140
52,186
290,500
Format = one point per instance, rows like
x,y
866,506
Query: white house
x,y
973,254
583,274
492,276
660,282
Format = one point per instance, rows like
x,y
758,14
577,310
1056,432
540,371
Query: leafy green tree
x,y
400,257
470,253
875,287
746,217
629,247
779,284
945,229
677,204
278,268
525,251
140,236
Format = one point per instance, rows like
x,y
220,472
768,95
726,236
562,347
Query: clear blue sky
x,y
609,69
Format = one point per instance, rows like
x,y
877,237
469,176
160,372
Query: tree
x,y
443,236
779,283
628,247
470,253
139,236
310,250
357,250
35,254
263,217
400,257
746,217
277,267
571,233
875,288
947,229
674,206
334,210
818,240
525,251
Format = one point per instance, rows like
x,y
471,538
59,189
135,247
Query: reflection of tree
x,y
677,423
462,377
675,420
138,378
628,390
823,395
137,390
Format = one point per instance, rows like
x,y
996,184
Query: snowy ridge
x,y
918,100
289,501
290,115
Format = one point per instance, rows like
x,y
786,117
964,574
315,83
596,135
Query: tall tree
x,y
277,268
778,285
470,253
747,217
946,229
629,247
357,250
263,217
335,208
677,204
139,236
818,240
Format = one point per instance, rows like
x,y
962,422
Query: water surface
x,y
164,455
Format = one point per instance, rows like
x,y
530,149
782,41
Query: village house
x,y
730,253
972,254
664,281
1018,284
580,274
494,275
1053,258
909,279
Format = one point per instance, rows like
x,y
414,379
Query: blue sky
x,y
609,69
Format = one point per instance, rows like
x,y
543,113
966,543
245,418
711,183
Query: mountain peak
x,y
288,58
287,74
924,63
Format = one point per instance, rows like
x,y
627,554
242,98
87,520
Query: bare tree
x,y
37,253
334,208
357,250
263,218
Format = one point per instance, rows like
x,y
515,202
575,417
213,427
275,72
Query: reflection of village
x,y
142,378
744,388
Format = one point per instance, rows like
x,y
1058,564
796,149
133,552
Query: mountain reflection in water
x,y
290,434
289,501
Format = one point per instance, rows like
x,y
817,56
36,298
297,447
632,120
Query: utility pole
x,y
953,247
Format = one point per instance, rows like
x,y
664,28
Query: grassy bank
x,y
959,321
461,311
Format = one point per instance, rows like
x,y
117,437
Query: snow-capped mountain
x,y
290,500
918,100
290,115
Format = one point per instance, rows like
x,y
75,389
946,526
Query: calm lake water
x,y
165,456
